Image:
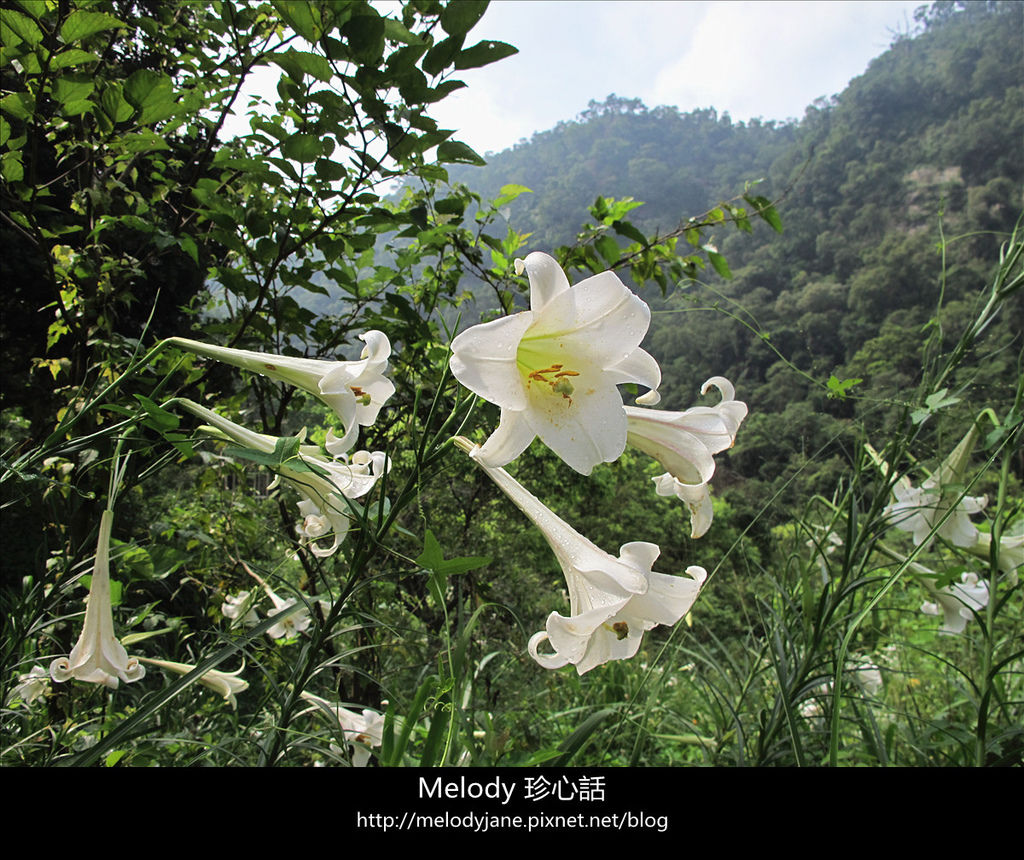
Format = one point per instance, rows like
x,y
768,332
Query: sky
x,y
750,59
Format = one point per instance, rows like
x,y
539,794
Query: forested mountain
x,y
926,144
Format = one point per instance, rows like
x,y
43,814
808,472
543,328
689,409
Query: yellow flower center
x,y
619,628
538,368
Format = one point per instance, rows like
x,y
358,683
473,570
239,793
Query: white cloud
x,y
774,59
768,59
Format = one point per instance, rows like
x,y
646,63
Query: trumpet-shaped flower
x,y
292,625
362,731
241,608
98,657
956,602
553,369
355,390
612,601
323,484
1011,553
869,677
226,684
31,685
919,510
323,509
684,442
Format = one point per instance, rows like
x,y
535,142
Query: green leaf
x,y
608,248
396,31
458,18
152,93
143,141
572,744
330,171
484,53
81,24
143,635
73,88
432,554
300,63
18,105
161,418
450,206
71,57
772,217
510,192
132,557
719,264
114,757
765,210
456,152
302,147
441,55
837,388
365,37
11,167
624,228
24,28
432,559
285,454
302,16
35,8
939,399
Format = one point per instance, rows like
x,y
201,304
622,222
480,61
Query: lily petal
x,y
484,360
697,498
547,279
362,731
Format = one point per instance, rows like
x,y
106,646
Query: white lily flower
x,y
31,685
323,509
226,684
240,608
869,678
295,623
684,442
918,509
1011,553
291,626
553,369
355,390
956,601
363,731
612,600
812,710
98,657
